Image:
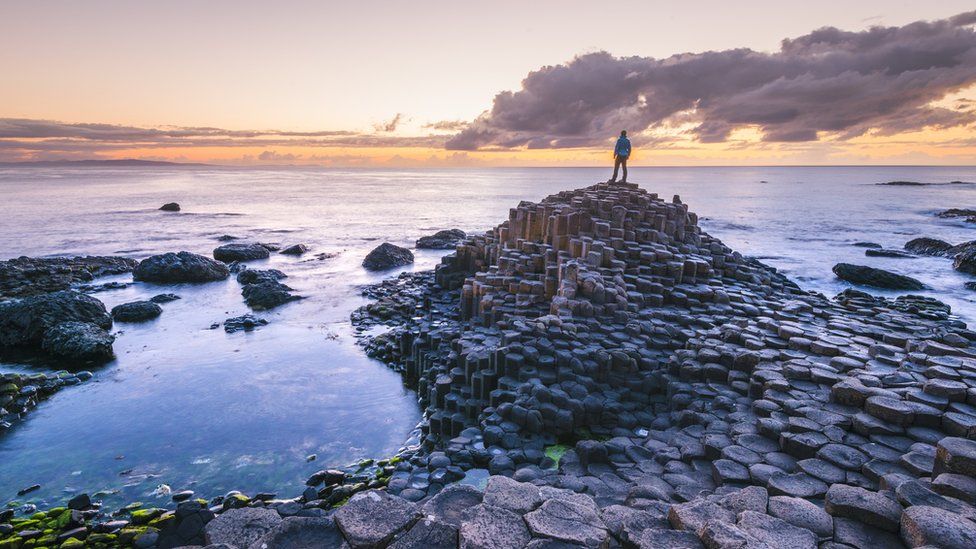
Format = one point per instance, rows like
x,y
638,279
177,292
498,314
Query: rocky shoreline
x,y
596,371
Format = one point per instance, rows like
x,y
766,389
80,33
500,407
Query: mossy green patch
x,y
555,452
72,542
13,542
143,516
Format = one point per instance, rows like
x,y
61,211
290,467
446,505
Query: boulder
x,y
253,276
240,251
294,249
928,246
441,240
136,311
179,267
170,207
24,323
267,295
387,256
241,527
78,340
965,260
879,278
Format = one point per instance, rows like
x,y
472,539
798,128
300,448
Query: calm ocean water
x,y
200,409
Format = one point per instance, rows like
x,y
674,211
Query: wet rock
x,y
294,249
371,519
26,276
490,527
136,311
241,527
965,260
300,533
25,322
441,240
179,267
78,340
243,322
240,251
267,295
883,252
80,502
170,207
957,212
879,278
387,256
928,246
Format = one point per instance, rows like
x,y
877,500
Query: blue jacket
x,y
623,147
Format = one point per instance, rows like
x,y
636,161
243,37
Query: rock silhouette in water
x,y
180,267
879,278
387,256
929,246
170,207
294,249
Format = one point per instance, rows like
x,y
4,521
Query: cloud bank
x,y
829,82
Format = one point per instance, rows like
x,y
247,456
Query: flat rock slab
x,y
863,505
567,521
302,533
241,527
489,527
776,532
449,505
801,513
428,534
506,493
669,539
371,519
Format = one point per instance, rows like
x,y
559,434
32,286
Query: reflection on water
x,y
200,409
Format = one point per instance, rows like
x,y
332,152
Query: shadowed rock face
x,y
136,311
25,322
180,267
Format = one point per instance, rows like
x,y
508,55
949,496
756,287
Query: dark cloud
x,y
832,81
27,138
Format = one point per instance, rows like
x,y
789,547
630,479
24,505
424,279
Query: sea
x,y
186,407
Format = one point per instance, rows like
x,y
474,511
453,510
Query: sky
x,y
397,83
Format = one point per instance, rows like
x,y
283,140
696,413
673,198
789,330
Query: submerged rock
x,y
164,298
136,311
170,207
883,252
387,256
243,322
968,213
879,278
78,340
294,249
180,267
441,240
240,252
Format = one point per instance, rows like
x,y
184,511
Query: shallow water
x,y
195,408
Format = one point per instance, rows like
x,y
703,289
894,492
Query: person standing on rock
x,y
621,152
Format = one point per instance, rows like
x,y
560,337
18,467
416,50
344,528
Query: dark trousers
x,y
619,161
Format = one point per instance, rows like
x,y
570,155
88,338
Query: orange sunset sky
x,y
396,83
